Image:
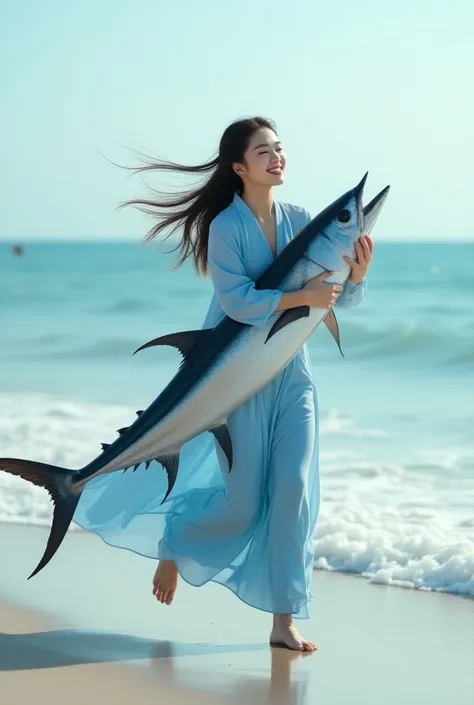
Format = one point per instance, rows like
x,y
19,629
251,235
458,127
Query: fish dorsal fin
x,y
185,342
288,316
170,463
333,327
222,436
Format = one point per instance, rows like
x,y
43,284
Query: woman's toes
x,y
309,646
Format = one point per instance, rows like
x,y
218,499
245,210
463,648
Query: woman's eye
x,y
344,216
279,149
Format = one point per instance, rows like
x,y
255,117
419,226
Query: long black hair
x,y
194,209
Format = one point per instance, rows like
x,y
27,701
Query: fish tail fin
x,y
57,481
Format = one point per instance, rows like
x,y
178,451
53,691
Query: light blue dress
x,y
251,529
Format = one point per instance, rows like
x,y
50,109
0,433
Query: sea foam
x,y
408,524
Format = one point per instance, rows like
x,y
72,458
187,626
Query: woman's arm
x,y
236,292
352,294
355,289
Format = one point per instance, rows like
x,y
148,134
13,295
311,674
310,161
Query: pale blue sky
x,y
383,86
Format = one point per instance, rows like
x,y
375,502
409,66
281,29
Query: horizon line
x,y
113,240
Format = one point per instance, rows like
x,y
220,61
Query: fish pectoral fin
x,y
170,463
288,316
333,327
184,342
222,436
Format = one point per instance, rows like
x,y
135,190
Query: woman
x,y
250,530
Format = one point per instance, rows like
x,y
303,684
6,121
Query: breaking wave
x,y
407,524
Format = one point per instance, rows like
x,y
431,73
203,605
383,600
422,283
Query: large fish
x,y
222,367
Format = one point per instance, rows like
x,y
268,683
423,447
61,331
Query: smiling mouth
x,y
275,170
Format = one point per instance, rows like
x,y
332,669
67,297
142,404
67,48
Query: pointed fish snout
x,y
360,186
372,210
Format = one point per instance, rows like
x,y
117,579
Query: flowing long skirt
x,y
250,529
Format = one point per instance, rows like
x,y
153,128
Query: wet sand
x,y
87,629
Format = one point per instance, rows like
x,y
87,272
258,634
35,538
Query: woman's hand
x,y
319,294
359,267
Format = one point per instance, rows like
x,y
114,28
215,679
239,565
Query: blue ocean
x,y
397,412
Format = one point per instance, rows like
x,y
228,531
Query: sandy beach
x,y
42,664
88,627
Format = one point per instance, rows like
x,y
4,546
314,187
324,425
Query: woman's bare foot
x,y
285,634
165,582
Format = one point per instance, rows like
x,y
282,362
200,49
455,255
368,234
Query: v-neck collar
x,y
249,216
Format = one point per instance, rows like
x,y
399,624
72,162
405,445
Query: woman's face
x,y
264,160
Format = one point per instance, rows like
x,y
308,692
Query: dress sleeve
x,y
352,294
234,290
306,215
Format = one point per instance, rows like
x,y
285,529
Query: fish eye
x,y
344,216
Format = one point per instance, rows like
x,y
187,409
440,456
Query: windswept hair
x,y
193,210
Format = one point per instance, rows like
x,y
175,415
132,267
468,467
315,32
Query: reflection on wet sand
x,y
274,686
172,664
